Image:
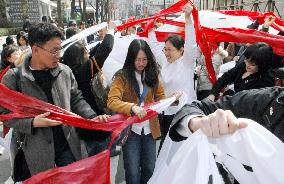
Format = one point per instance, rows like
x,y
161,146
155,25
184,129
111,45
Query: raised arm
x,y
190,47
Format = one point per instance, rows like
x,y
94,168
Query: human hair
x,y
72,23
74,54
71,31
261,54
6,53
44,19
22,34
176,40
150,72
42,33
9,40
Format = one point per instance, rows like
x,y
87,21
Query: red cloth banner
x,y
96,168
170,10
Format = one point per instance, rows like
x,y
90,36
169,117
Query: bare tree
x,y
73,9
84,11
81,9
97,10
59,14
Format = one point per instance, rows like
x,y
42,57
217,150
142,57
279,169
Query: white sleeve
x,y
157,48
190,46
182,128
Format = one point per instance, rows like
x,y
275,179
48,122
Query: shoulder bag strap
x,y
96,64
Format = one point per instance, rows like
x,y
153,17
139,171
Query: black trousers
x,y
165,123
21,169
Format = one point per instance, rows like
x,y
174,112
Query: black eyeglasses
x,y
54,52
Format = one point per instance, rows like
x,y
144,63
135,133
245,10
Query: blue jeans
x,y
139,155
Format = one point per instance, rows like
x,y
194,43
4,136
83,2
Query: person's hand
x,y
236,58
139,111
42,121
1,123
102,118
177,94
211,97
269,21
187,9
198,70
219,123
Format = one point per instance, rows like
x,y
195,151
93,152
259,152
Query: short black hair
x,y
176,40
9,40
72,22
261,54
42,33
71,31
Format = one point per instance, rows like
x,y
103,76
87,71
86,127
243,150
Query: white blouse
x,y
178,75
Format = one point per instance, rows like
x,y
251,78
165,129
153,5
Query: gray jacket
x,y
39,144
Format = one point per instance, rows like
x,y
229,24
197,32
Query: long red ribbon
x,y
23,106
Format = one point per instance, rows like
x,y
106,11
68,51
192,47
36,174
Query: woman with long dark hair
x,y
78,59
136,84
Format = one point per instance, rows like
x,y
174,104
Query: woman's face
x,y
14,56
250,66
22,41
141,61
171,52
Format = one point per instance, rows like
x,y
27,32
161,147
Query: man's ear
x,y
35,49
181,50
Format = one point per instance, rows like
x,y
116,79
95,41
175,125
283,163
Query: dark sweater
x,y
234,76
44,79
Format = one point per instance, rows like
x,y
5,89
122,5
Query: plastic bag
x,y
192,161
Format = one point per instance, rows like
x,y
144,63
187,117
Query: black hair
x,y
74,55
42,33
44,19
22,34
150,72
176,40
71,23
9,40
71,31
261,54
6,53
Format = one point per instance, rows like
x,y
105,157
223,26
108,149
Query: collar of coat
x,y
26,71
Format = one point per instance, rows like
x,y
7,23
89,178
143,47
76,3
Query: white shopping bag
x,y
185,162
191,161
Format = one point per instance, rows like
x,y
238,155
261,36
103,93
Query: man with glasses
x,y
46,143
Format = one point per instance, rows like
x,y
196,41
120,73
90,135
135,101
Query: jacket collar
x,y
26,71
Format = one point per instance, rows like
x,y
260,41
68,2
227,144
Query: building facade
x,y
20,10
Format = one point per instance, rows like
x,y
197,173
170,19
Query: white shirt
x,y
177,76
138,127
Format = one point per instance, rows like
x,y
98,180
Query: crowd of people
x,y
33,63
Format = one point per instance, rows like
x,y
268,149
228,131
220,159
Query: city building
x,y
34,10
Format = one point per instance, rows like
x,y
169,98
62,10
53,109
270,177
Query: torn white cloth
x,y
192,161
